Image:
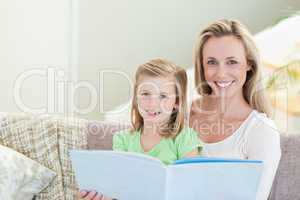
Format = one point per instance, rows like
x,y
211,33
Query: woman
x,y
232,115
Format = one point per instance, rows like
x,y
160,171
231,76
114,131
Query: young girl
x,y
158,117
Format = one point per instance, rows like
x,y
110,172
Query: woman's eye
x,y
211,62
232,62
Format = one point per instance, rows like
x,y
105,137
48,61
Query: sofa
x,y
47,139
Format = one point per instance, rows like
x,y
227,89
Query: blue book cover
x,y
201,159
128,176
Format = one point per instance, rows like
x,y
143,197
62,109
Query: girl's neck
x,y
150,129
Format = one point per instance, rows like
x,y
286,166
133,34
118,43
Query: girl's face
x,y
156,98
225,65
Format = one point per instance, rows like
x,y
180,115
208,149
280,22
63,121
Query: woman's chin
x,y
226,93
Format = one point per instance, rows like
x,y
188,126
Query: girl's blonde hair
x,y
253,90
162,68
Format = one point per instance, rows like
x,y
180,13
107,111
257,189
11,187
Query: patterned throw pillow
x,y
20,177
36,138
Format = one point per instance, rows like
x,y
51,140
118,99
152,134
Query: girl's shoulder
x,y
125,134
122,139
187,141
186,133
187,130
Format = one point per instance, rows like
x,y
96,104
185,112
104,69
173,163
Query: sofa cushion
x,y
287,180
36,138
100,134
21,177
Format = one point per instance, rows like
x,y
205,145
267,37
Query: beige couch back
x,y
23,133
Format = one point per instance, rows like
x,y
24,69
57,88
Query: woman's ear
x,y
249,68
176,106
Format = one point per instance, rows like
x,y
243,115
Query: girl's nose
x,y
154,101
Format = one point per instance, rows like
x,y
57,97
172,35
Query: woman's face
x,y
225,65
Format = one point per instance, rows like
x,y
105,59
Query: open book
x,y
131,176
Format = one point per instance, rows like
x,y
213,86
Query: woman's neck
x,y
233,107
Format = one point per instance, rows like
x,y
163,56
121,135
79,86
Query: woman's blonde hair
x,y
253,90
162,68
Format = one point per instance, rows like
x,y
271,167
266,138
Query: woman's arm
x,y
264,144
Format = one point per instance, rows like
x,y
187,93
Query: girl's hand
x,y
92,195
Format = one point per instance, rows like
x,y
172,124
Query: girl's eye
x,y
145,94
232,62
163,96
211,62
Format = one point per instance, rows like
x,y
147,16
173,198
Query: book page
x,y
213,181
124,176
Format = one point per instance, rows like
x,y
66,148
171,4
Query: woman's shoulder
x,y
262,127
263,120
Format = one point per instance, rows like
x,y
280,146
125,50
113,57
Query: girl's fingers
x,y
83,193
107,198
99,196
91,195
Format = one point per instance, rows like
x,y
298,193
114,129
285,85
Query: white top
x,y
257,139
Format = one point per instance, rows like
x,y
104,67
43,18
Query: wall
x,y
34,36
119,35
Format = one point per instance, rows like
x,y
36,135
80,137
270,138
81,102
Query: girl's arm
x,y
192,153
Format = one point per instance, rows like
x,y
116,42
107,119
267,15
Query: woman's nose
x,y
221,71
